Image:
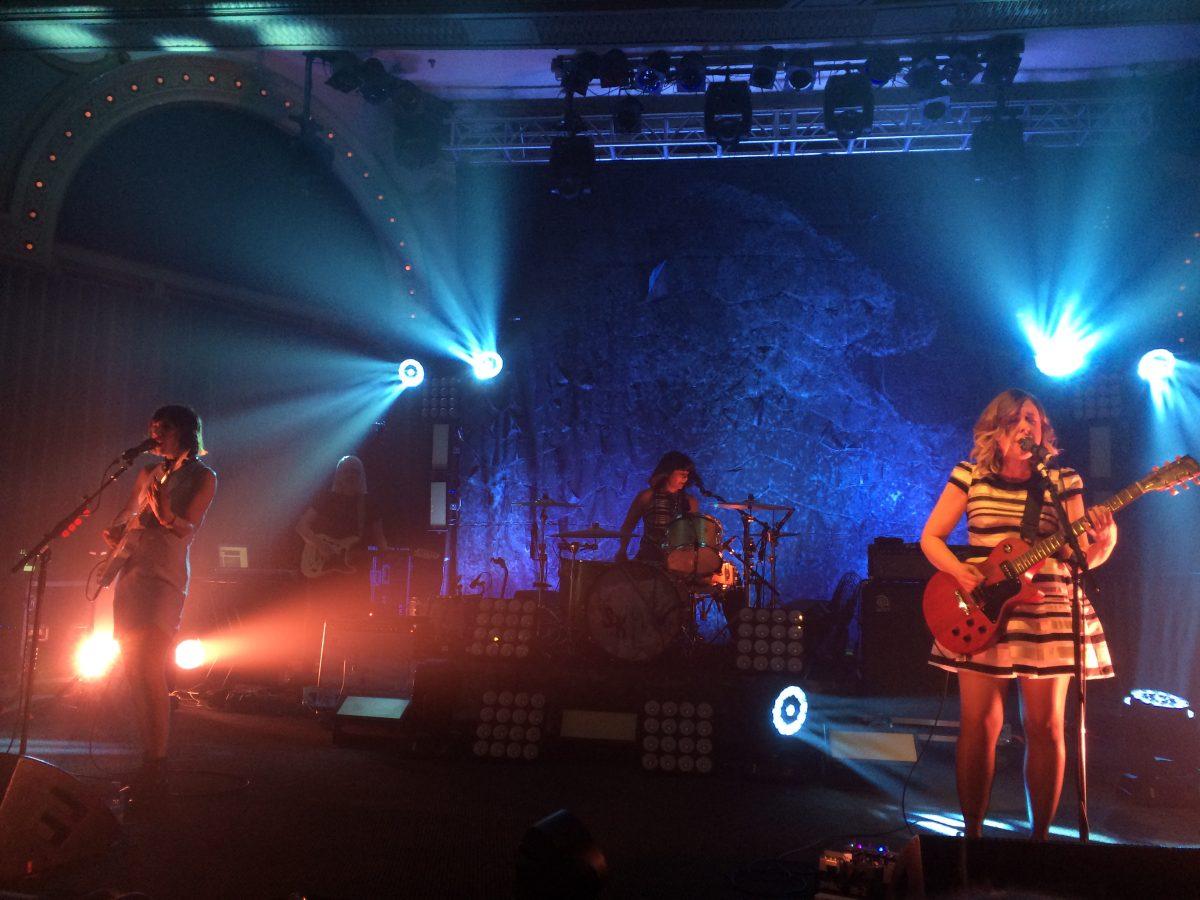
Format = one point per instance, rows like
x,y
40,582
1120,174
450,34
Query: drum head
x,y
634,611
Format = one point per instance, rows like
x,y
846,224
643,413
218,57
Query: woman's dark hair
x,y
185,419
671,461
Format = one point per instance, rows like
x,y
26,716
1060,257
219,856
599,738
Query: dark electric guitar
x,y
966,622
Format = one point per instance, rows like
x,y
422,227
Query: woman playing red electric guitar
x,y
1035,647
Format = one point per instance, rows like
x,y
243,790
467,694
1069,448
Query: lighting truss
x,y
1048,122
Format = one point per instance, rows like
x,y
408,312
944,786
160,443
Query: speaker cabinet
x,y
47,818
372,655
895,641
934,866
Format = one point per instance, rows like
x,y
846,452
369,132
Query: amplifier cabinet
x,y
895,642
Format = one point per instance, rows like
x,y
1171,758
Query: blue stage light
x,y
411,373
1158,700
486,364
1157,365
789,711
1060,347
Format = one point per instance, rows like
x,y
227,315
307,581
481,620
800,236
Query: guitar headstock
x,y
1182,470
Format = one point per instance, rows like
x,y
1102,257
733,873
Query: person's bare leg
x,y
1043,701
981,714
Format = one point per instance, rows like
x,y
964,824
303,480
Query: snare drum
x,y
693,545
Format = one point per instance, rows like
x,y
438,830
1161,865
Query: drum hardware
x,y
593,533
750,504
759,554
537,537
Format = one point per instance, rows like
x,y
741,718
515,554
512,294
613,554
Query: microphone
x,y
477,581
499,561
1039,452
134,452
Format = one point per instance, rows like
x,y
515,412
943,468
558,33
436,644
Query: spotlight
x,y
572,159
486,364
769,640
615,71
652,76
411,373
1156,366
765,68
1060,345
728,112
95,655
578,72
510,725
789,711
882,67
190,654
935,107
691,75
677,736
559,858
1159,700
998,147
923,75
347,71
377,84
504,629
962,67
627,117
849,106
801,71
1001,60
421,130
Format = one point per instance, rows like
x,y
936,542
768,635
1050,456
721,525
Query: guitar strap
x,y
1032,517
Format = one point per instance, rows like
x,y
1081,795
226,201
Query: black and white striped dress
x,y
1036,642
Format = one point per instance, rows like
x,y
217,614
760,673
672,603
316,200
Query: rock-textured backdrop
x,y
724,326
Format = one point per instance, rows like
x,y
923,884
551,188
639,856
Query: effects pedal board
x,y
857,871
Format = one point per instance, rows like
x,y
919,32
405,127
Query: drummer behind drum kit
x,y
633,610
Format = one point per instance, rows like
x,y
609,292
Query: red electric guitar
x,y
966,622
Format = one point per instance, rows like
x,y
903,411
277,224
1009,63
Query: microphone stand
x,y
40,557
1081,577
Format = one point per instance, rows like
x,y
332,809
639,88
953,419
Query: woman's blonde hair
x,y
355,464
998,416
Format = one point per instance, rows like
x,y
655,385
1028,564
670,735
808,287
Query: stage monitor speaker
x,y
933,866
371,656
895,641
47,818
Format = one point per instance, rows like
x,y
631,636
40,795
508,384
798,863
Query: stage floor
x,y
266,806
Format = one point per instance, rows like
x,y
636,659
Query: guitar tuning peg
x,y
1174,492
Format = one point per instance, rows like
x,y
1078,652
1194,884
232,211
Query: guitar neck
x,y
1047,547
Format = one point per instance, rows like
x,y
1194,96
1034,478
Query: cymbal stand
x,y
573,599
770,536
537,549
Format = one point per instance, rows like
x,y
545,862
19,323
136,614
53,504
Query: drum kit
x,y
633,610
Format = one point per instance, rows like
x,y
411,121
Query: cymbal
x,y
595,532
546,501
751,504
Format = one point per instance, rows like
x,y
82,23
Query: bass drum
x,y
634,611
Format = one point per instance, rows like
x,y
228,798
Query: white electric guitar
x,y
120,555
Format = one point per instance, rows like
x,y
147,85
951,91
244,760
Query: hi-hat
x,y
546,501
750,504
595,532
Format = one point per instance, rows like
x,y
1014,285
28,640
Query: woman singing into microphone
x,y
1036,648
